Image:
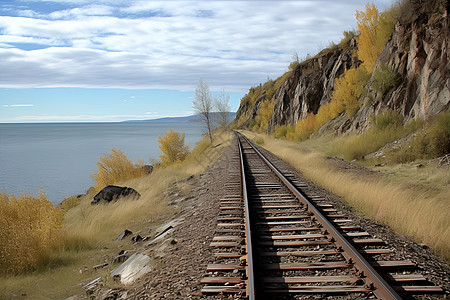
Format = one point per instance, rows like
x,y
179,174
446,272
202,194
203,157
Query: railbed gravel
x,y
179,271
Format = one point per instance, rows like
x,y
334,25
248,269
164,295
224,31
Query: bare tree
x,y
221,102
203,105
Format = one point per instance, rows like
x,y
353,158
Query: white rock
x,y
133,268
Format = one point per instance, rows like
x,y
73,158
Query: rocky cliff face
x,y
418,53
310,85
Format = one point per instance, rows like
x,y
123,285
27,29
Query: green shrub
x,y
388,118
434,139
401,155
259,141
384,79
430,141
387,127
348,36
357,146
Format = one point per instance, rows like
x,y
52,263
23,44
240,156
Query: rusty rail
x,y
250,282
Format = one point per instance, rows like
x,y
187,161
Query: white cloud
x,y
18,105
90,10
78,118
169,44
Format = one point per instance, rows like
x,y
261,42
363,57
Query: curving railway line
x,y
273,242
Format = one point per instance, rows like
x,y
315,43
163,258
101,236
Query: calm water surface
x,y
59,158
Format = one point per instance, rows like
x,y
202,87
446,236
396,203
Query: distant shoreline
x,y
191,118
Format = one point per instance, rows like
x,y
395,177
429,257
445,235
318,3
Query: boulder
x,y
113,193
148,169
92,286
123,235
133,268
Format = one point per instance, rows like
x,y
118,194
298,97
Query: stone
x,y
109,294
74,297
100,266
148,169
112,193
132,269
92,286
119,258
136,238
123,235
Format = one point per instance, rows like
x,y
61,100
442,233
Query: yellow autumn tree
x,y
173,147
367,23
374,29
116,167
348,89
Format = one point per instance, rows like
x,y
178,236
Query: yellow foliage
x,y
114,168
348,89
264,115
304,128
367,22
173,147
374,29
326,113
29,228
283,131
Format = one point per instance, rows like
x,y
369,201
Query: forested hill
x,y
397,61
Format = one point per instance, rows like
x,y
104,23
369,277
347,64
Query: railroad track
x,y
273,242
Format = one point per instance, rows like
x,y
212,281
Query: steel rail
x,y
250,281
379,286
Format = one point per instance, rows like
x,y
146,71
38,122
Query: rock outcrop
x,y
311,85
418,54
113,193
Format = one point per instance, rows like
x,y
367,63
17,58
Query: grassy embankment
x,y
89,231
412,201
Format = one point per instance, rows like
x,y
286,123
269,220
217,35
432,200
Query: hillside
x,y
191,118
410,76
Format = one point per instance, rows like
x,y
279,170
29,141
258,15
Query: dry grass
x,y
405,205
29,229
88,229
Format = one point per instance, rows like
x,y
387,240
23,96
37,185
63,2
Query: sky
x,y
116,60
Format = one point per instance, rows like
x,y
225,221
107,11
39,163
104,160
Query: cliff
x,y
310,85
416,56
419,52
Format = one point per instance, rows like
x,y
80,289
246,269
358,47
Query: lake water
x,y
59,158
